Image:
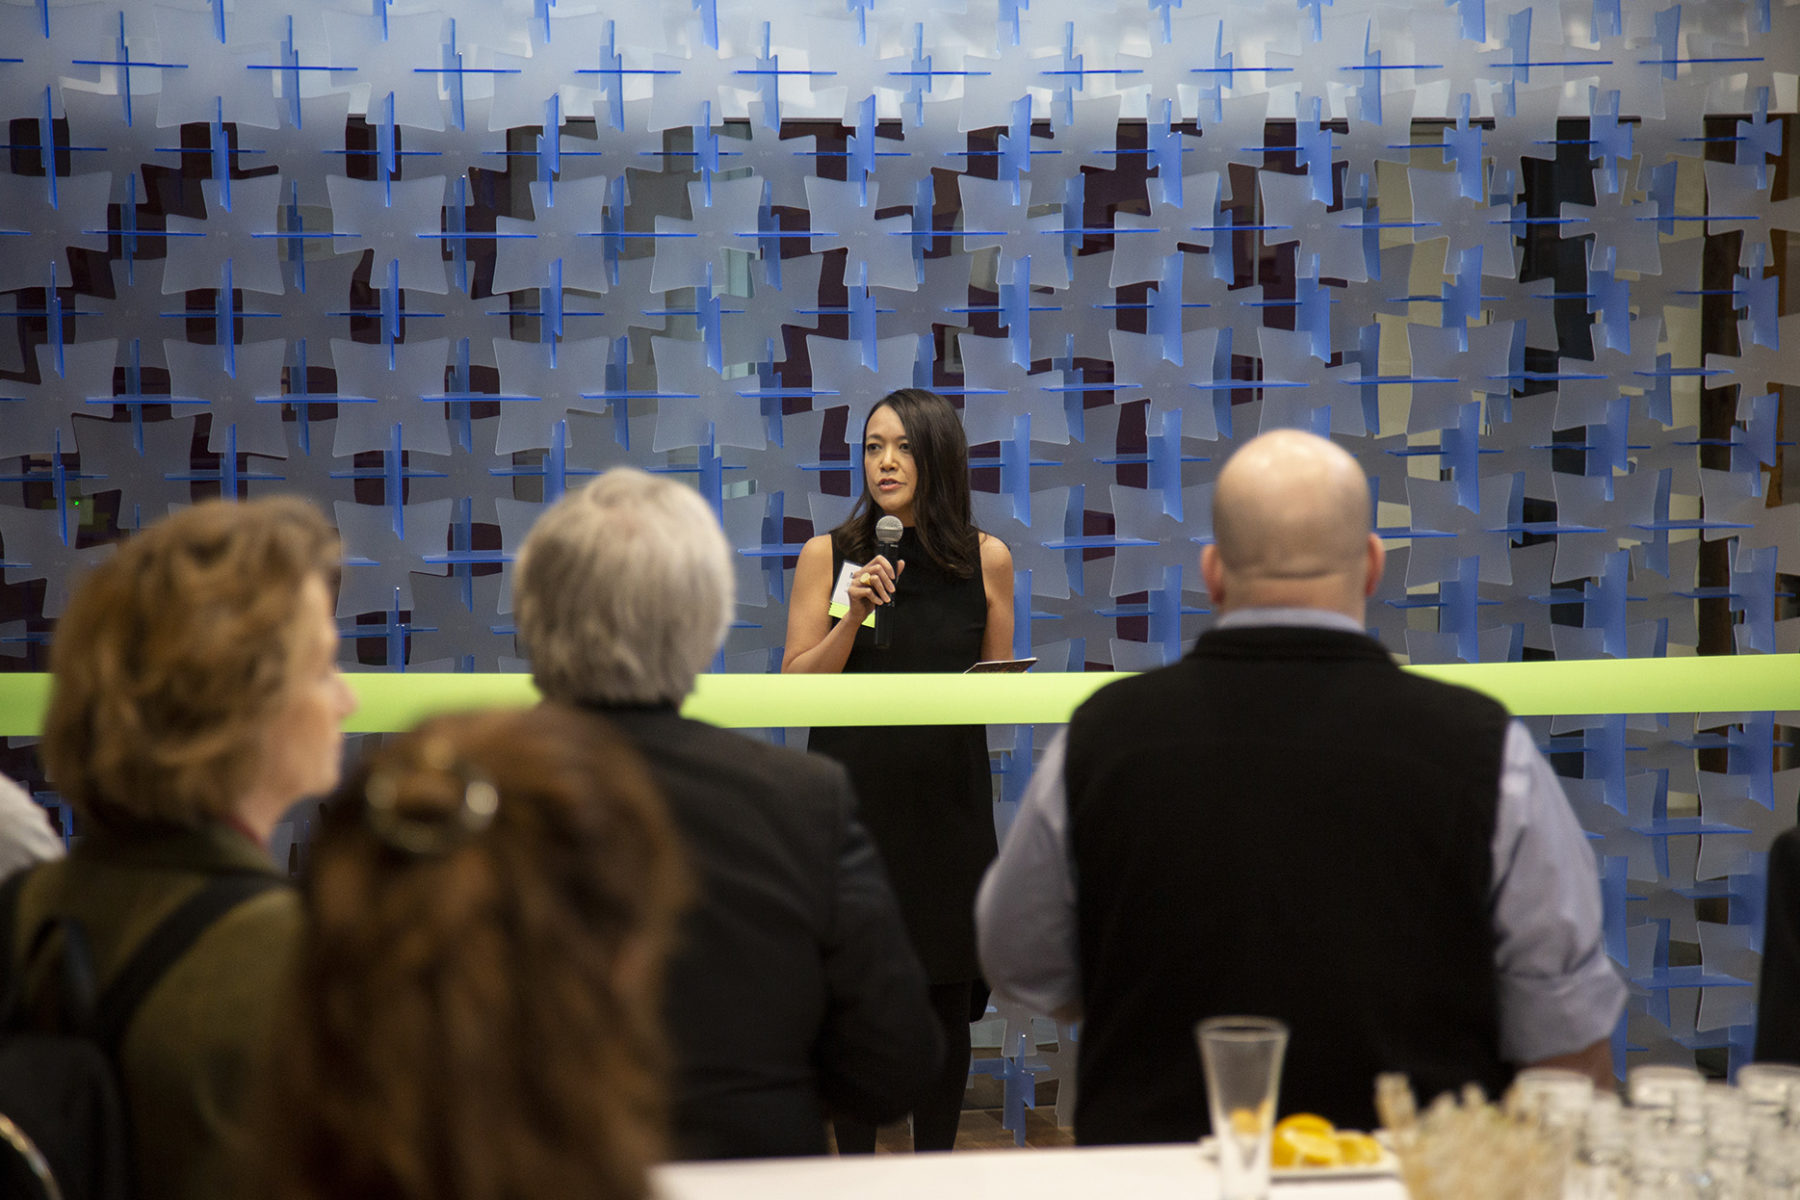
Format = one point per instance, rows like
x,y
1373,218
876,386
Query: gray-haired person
x,y
793,993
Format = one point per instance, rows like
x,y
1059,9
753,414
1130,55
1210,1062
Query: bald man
x,y
1285,823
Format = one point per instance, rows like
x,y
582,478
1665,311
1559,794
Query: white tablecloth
x,y
1102,1173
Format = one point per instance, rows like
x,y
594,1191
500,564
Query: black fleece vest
x,y
1285,823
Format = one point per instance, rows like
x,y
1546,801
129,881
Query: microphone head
x,y
888,530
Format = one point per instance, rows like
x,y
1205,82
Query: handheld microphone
x,y
887,543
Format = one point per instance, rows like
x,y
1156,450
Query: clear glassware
x,y
1769,1089
1728,1140
1668,1151
1774,1161
1769,1092
1672,1092
1601,1152
1241,1059
1552,1098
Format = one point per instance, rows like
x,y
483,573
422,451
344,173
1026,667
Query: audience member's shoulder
x,y
741,751
241,959
1786,847
1126,693
271,917
1454,700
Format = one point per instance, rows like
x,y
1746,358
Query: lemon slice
x,y
1247,1122
1306,1123
1304,1140
1358,1149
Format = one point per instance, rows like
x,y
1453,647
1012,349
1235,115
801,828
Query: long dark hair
x,y
941,511
473,1010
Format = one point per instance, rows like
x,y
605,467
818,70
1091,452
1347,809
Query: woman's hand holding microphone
x,y
873,586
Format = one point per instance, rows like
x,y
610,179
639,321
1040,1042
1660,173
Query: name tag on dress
x,y
840,595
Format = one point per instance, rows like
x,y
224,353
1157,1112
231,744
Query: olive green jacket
x,y
190,1053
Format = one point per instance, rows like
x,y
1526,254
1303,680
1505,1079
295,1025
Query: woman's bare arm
x,y
997,582
816,644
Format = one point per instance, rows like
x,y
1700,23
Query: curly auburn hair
x,y
478,1020
173,656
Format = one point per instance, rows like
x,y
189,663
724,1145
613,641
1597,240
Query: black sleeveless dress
x,y
924,791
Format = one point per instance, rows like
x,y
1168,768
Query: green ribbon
x,y
389,702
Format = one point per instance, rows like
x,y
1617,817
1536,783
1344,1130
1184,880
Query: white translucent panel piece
x,y
1583,502
1740,195
1728,951
40,223
1142,368
990,213
460,637
198,255
1144,243
688,246
1289,204
550,63
555,389
1447,374
754,322
1468,224
516,519
32,86
399,221
36,548
699,90
45,410
988,365
838,367
380,561
844,218
199,372
215,82
110,449
1477,534
404,63
390,396
695,404
555,233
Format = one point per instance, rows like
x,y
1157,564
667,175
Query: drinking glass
x,y
1671,1093
1241,1057
1771,1090
1552,1098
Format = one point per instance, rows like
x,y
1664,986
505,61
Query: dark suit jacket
x,y
1778,997
795,991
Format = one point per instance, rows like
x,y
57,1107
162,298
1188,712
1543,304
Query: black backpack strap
x,y
78,982
10,892
9,917
167,943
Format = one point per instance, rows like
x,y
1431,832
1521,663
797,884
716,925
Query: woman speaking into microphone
x,y
940,593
